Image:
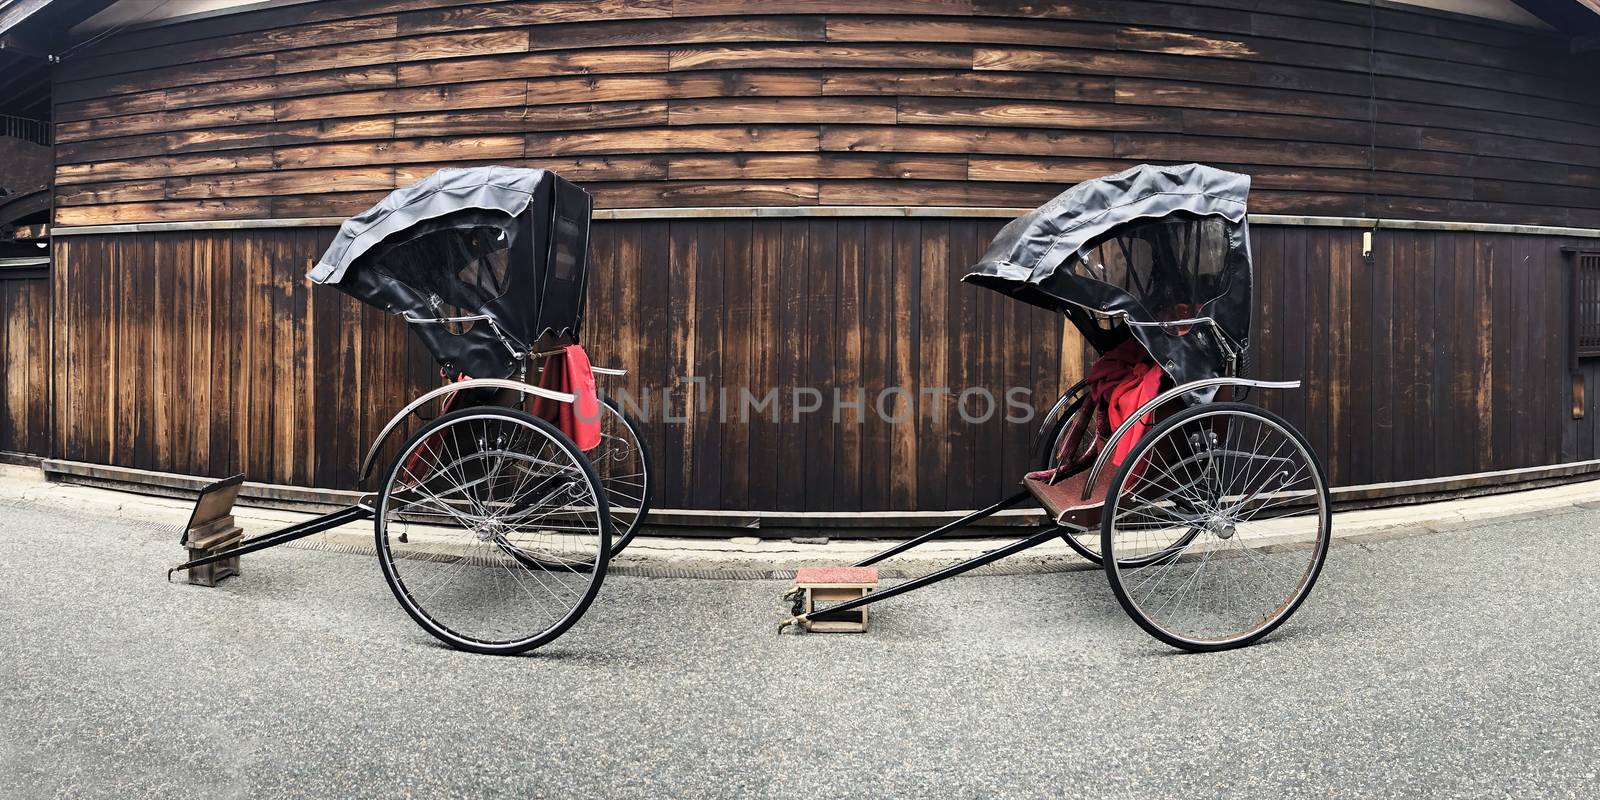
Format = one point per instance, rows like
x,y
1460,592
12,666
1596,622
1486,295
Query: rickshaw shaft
x,y
281,536
943,529
1045,534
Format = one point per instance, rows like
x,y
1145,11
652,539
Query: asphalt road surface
x,y
1459,664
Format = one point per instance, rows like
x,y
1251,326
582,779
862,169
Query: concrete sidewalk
x,y
753,558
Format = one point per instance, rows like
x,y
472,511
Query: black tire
x,y
1216,538
488,528
629,495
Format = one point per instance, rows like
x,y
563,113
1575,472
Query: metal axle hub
x,y
490,530
1222,527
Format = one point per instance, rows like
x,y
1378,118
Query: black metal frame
x,y
1041,535
299,530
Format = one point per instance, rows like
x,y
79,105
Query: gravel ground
x,y
1458,664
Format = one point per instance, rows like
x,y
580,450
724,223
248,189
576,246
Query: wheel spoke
x,y
506,530
1217,525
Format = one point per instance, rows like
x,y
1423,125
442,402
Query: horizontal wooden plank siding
x,y
803,364
316,109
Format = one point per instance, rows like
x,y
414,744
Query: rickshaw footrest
x,y
213,573
211,531
816,587
1064,500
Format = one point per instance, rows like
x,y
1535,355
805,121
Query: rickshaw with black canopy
x,y
495,518
1210,517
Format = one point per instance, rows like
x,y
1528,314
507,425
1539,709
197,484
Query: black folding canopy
x,y
498,242
1151,243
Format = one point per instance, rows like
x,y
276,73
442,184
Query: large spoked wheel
x,y
1216,526
492,530
622,460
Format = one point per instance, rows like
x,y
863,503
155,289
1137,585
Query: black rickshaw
x,y
1211,517
493,526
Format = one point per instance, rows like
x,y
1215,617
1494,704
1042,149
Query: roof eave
x,y
42,27
1576,18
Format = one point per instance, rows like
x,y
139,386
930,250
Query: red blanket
x,y
569,371
1123,380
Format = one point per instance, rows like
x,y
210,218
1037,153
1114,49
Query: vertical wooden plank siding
x,y
208,353
26,421
933,452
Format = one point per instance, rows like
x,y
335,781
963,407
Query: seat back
x,y
1082,435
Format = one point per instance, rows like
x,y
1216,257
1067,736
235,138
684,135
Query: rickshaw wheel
x,y
492,530
1085,543
623,463
1216,527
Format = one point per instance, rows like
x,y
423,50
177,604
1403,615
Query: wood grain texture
x,y
744,338
319,109
1450,119
26,379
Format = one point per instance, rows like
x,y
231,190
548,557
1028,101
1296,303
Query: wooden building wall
x,y
1335,108
25,352
207,353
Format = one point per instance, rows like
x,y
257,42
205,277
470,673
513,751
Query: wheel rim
x,y
622,464
491,531
1218,528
